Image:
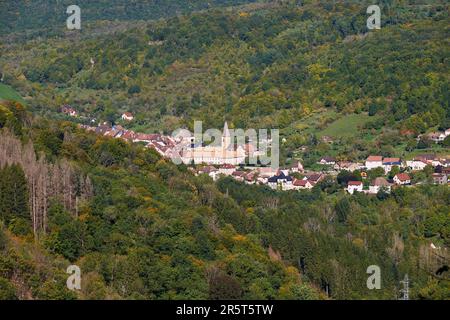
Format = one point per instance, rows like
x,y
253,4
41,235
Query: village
x,y
228,160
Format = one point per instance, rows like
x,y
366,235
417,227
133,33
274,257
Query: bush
x,y
7,291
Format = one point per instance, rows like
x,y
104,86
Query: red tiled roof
x,y
355,183
301,183
403,177
374,158
391,160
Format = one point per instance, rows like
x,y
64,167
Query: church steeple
x,y
226,137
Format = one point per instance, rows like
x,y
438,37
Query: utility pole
x,y
405,289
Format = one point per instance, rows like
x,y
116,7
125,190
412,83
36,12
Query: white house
x,y
347,165
227,169
402,179
302,184
440,178
373,162
379,183
437,136
68,110
127,116
280,181
355,186
296,167
388,163
327,161
267,172
416,165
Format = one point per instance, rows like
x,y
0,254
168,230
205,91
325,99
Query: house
x,y
327,139
68,110
347,165
102,129
427,158
388,163
445,163
207,170
250,178
437,136
438,163
374,162
127,116
379,183
440,178
302,184
267,172
402,179
227,169
129,135
239,175
280,182
447,132
210,171
144,137
314,177
354,186
327,161
296,166
416,165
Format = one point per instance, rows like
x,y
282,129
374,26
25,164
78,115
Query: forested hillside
x,y
43,14
140,227
298,67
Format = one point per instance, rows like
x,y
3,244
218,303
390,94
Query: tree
x,y
134,89
7,290
343,208
424,143
345,176
14,195
394,171
446,142
224,287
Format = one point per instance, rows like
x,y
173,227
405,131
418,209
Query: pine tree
x,y
13,193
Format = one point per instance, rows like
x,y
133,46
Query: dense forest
x,y
43,14
297,66
140,227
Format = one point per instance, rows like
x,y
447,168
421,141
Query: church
x,y
226,153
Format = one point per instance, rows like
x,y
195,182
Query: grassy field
x,y
8,93
346,126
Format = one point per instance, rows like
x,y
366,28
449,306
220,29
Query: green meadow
x,y
8,93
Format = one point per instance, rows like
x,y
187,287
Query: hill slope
x,y
270,66
139,227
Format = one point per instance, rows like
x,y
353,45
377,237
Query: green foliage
x,y
9,94
343,208
7,290
14,207
152,230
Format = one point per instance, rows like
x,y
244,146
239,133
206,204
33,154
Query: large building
x,y
226,153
